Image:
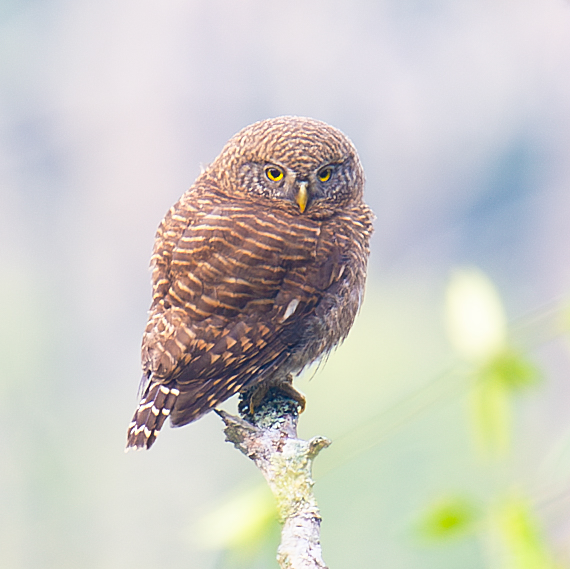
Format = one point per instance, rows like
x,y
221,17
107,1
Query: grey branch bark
x,y
269,438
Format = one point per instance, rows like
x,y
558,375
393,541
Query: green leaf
x,y
511,369
491,398
491,409
522,542
448,518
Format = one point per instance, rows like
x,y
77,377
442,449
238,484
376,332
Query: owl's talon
x,y
287,389
251,399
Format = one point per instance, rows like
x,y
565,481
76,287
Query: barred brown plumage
x,y
257,271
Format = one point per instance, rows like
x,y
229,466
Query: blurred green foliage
x,y
497,382
491,511
448,518
521,543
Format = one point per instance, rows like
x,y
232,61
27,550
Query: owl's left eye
x,y
273,173
325,174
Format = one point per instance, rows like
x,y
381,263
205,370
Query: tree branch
x,y
269,438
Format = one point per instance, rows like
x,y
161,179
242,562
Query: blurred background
x,y
448,450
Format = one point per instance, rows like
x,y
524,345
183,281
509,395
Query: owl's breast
x,y
338,274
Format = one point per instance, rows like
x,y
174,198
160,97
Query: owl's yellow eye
x,y
325,174
274,173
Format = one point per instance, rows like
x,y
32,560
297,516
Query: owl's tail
x,y
154,407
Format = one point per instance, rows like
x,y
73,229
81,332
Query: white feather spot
x,y
291,307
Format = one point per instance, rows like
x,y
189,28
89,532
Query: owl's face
x,y
301,164
308,186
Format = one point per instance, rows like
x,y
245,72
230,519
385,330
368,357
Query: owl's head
x,y
300,164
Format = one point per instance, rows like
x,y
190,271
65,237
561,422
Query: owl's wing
x,y
231,296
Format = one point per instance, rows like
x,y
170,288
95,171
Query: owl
x,y
257,271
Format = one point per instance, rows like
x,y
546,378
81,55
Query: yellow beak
x,y
302,196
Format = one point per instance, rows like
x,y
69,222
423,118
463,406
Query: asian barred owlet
x,y
257,271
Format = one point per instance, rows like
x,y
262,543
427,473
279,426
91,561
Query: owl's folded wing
x,y
232,295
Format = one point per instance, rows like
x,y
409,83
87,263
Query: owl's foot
x,y
252,398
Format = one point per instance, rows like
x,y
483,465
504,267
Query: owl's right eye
x,y
273,173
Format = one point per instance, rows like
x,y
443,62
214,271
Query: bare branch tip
x,y
317,444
